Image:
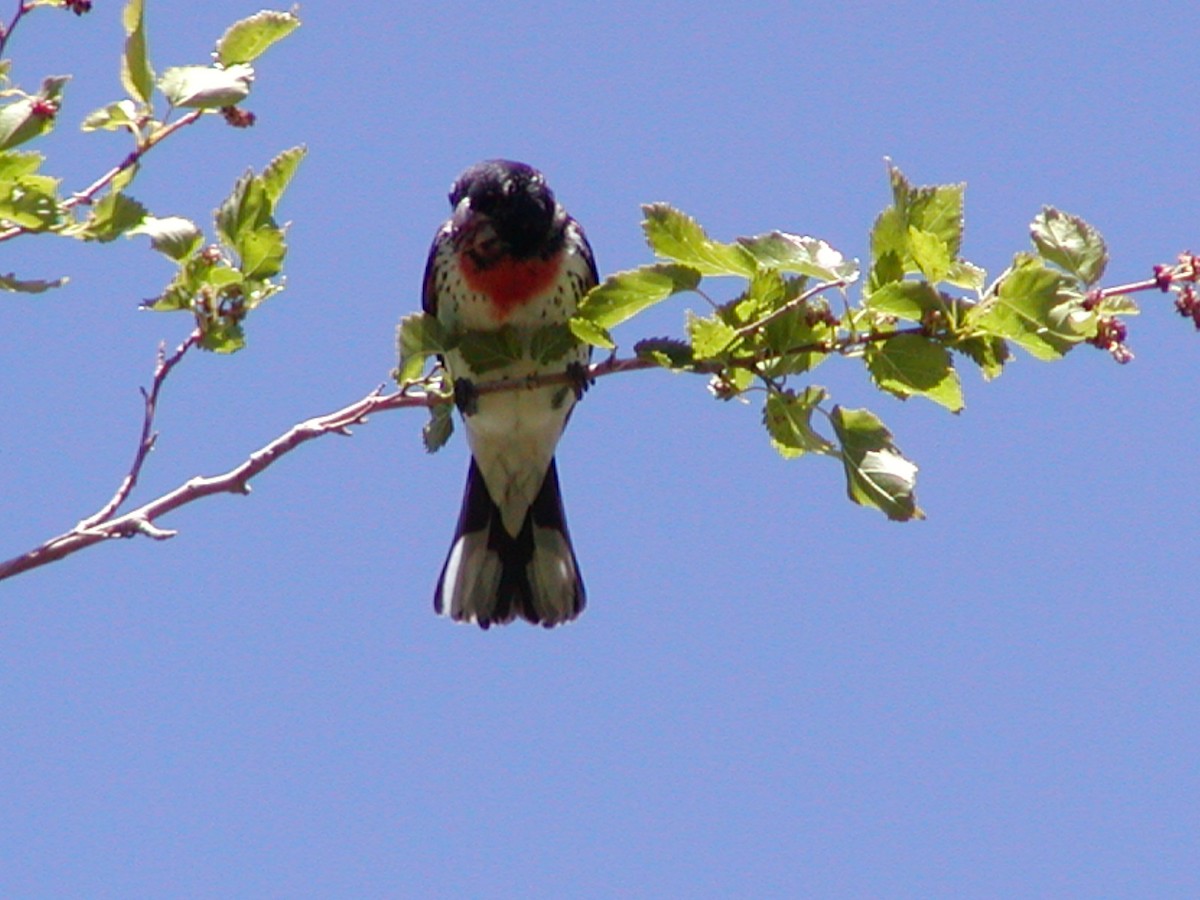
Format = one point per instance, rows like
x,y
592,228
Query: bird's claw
x,y
581,378
466,396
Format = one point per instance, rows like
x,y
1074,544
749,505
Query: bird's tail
x,y
491,577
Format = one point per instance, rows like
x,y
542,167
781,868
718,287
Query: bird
x,y
509,256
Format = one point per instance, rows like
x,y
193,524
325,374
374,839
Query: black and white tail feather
x,y
491,576
511,555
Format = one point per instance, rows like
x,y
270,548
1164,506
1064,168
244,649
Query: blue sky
x,y
772,692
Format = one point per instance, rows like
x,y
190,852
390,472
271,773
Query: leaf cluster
x,y
219,283
222,283
921,309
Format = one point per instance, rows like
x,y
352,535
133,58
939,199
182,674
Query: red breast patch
x,y
510,283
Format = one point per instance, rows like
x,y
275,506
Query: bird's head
x,y
510,203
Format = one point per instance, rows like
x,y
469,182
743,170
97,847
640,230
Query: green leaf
x,y
792,330
889,248
136,74
31,202
591,333
1071,243
418,337
52,87
484,351
111,216
1118,305
939,210
550,343
967,275
677,236
278,173
667,352
936,209
194,272
27,118
889,234
766,294
800,254
710,337
1070,320
220,300
246,209
905,299
625,294
19,123
884,270
15,164
174,236
122,114
223,336
251,204
222,276
921,231
438,429
10,282
929,253
245,220
124,178
877,473
788,418
1020,306
261,252
901,189
909,364
206,87
248,39
988,352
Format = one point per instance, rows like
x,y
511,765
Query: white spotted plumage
x,y
511,555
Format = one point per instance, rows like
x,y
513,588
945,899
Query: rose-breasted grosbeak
x,y
509,256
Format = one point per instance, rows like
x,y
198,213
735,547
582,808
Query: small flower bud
x,y
44,109
238,118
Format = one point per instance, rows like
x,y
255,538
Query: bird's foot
x,y
581,378
466,396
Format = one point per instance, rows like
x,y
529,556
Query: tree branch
x,y
236,481
105,524
146,443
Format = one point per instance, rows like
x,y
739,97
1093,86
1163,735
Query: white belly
x,y
513,433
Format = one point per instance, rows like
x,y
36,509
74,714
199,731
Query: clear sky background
x,y
772,692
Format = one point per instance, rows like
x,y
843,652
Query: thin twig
x,y
792,304
6,31
236,481
88,193
148,436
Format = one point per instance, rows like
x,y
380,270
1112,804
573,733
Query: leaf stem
x,y
88,193
6,31
792,304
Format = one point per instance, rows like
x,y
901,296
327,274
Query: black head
x,y
515,199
